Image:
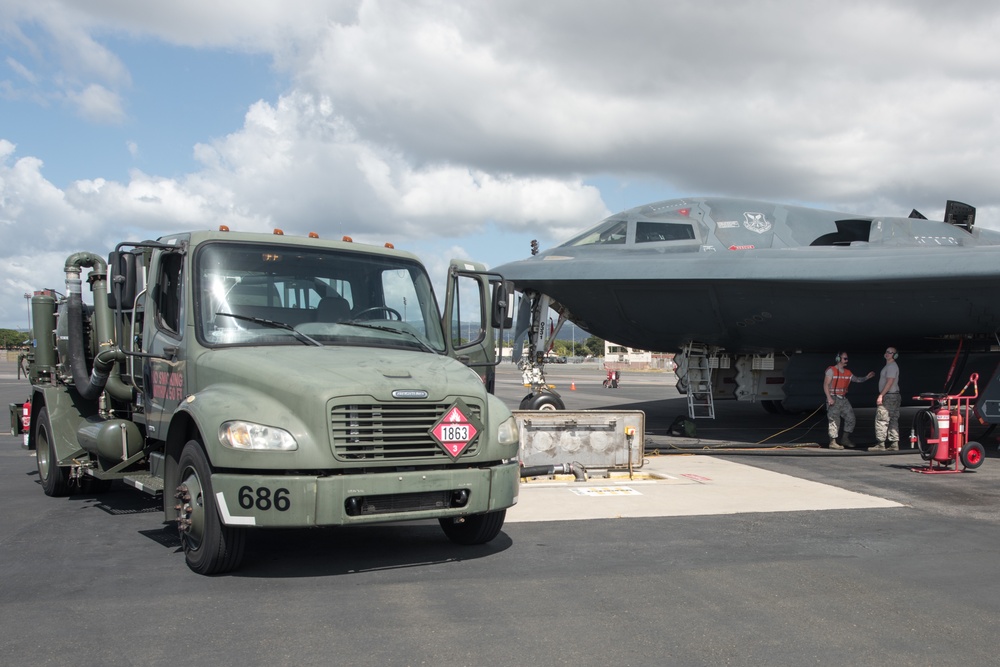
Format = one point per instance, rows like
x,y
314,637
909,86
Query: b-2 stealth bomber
x,y
763,295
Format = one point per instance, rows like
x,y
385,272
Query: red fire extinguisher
x,y
943,416
26,420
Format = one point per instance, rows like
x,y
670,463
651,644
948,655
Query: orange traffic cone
x,y
572,386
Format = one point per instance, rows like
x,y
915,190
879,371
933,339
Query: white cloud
x,y
98,104
838,102
344,184
21,70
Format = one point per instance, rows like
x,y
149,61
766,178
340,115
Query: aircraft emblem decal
x,y
756,222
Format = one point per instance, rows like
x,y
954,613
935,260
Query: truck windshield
x,y
244,292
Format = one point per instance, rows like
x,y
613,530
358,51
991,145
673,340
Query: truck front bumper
x,y
296,501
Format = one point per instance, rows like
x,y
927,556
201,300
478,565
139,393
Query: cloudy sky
x,y
467,129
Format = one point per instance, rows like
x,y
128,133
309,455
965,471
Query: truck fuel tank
x,y
115,439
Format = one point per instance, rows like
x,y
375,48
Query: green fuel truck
x,y
271,381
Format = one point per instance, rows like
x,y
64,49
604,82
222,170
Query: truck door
x,y
469,319
164,367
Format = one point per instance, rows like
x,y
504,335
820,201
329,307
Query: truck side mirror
x,y
122,279
501,316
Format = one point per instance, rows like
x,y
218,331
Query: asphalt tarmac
x,y
886,567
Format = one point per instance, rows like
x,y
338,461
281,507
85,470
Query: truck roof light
x,y
347,239
390,246
313,235
278,232
223,228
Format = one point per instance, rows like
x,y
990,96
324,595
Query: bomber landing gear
x,y
542,401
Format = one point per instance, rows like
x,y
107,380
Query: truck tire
x,y
475,529
209,546
55,480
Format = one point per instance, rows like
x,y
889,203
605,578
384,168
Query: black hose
x,y
89,385
577,470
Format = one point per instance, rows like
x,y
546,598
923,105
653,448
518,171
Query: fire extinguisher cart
x,y
942,435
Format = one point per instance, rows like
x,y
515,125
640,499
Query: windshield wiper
x,y
402,332
277,325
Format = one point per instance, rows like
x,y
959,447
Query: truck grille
x,y
390,431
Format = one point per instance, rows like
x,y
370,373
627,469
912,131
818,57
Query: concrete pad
x,y
684,486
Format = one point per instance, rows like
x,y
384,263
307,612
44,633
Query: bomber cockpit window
x,y
613,232
653,232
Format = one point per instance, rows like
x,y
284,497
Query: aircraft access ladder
x,y
700,360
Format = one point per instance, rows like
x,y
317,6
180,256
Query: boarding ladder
x,y
699,381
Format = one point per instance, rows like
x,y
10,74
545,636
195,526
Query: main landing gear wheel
x,y
391,312
210,547
55,480
474,529
542,401
972,455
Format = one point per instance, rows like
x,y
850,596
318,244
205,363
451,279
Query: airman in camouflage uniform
x,y
835,383
887,405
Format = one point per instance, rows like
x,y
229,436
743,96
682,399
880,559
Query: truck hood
x,y
309,372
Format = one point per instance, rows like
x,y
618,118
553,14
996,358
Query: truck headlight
x,y
507,433
250,436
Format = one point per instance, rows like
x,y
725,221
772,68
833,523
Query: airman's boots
x,y
845,440
880,447
894,446
834,445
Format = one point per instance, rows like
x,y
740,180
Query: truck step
x,y
146,483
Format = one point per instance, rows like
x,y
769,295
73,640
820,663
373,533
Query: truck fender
x,y
67,412
205,412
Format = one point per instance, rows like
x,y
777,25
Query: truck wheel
x,y
474,529
209,546
55,480
972,455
